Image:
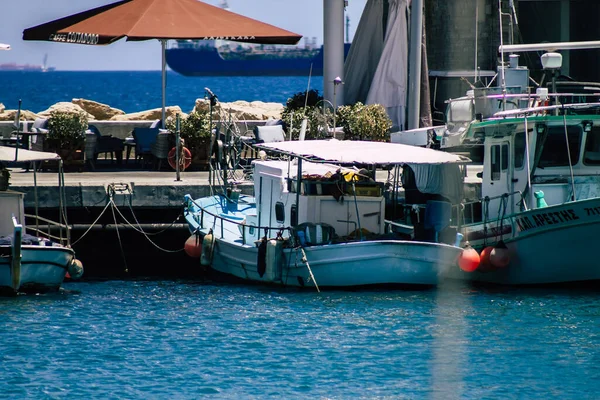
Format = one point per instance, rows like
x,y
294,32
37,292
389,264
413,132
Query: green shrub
x,y
194,129
66,130
364,122
295,111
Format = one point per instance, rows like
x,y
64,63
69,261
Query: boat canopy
x,y
362,152
10,154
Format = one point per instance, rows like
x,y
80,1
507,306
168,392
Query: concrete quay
x,y
148,189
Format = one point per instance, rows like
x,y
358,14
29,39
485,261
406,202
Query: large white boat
x,y
316,222
31,261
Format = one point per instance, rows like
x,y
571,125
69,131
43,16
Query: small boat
x,y
31,261
539,210
319,219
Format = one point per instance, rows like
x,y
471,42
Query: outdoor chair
x,y
145,139
96,144
37,134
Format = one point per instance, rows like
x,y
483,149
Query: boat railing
x,y
270,231
49,225
484,201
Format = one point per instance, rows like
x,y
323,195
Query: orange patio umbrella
x,y
138,20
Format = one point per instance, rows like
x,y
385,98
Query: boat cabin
x,y
324,197
559,163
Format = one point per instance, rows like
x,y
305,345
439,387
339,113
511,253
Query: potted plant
x,y
66,135
195,132
364,122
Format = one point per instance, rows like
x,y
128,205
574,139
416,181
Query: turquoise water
x,y
184,339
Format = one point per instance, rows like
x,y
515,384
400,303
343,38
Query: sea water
x,y
133,91
192,339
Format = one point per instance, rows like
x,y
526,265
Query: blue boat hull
x,y
206,61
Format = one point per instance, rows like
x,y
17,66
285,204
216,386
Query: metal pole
x,y
414,67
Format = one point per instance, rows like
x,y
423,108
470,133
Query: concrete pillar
x,y
565,28
333,40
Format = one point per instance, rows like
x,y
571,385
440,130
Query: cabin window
x,y
592,147
504,158
495,162
554,153
279,212
519,150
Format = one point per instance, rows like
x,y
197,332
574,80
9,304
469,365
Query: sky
x,y
303,17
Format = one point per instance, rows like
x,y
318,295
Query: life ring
x,y
185,158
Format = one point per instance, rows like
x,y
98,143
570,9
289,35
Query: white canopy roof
x,y
7,154
361,152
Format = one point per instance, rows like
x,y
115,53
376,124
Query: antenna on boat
x,y
302,134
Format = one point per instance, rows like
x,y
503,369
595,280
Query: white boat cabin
x,y
564,161
319,201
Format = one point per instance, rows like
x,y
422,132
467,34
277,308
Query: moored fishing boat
x,y
316,222
540,191
31,261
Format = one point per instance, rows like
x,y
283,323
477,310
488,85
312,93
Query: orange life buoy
x,y
185,158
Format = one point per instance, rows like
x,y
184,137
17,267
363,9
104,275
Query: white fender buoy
x,y
75,269
208,245
273,260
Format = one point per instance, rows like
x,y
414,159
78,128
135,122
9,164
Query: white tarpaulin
x,y
390,81
361,152
443,179
363,57
10,154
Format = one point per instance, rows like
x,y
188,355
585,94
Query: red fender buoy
x,y
469,259
500,256
185,158
484,264
193,246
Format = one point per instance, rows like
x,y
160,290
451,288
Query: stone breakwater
x,y
115,122
240,110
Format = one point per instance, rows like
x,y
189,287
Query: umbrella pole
x,y
163,45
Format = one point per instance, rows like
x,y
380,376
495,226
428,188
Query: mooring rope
x,y
92,225
141,231
305,261
119,236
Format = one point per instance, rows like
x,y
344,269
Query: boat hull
x,y
43,268
547,245
389,262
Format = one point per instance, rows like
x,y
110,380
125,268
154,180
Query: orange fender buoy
x,y
185,158
499,256
193,246
469,259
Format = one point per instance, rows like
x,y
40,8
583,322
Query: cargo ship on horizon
x,y
12,66
211,58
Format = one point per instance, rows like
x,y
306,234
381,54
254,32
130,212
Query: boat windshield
x,y
555,153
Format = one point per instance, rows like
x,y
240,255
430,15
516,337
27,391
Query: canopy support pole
x,y
163,45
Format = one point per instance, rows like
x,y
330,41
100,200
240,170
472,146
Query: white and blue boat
x,y
31,261
318,220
